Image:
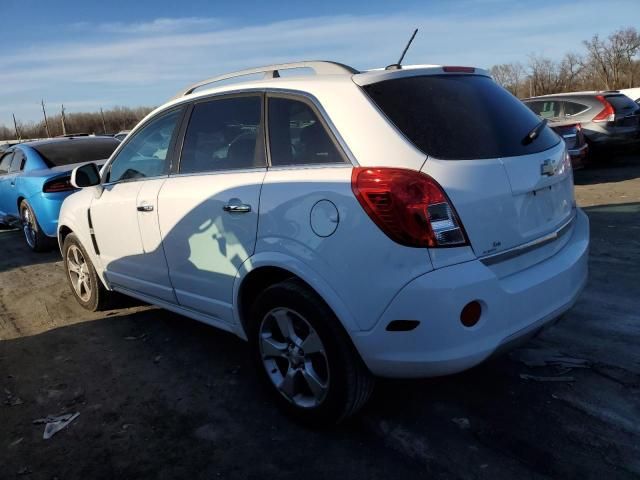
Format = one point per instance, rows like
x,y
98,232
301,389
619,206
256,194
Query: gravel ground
x,y
161,396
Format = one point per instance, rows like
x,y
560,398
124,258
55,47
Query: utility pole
x,y
104,126
46,123
15,124
64,127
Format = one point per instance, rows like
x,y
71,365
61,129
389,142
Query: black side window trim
x,y
175,167
317,113
171,152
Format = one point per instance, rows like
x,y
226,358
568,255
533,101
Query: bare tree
x,y
613,59
509,75
113,120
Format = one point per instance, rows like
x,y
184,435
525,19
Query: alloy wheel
x,y
294,357
78,270
28,227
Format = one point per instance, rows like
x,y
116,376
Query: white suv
x,y
405,222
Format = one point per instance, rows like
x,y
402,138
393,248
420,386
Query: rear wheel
x,y
82,277
33,234
304,356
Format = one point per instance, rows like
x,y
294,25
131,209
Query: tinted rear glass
x,y
622,103
75,150
459,116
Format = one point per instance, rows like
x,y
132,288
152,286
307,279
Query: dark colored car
x,y
607,118
35,179
572,134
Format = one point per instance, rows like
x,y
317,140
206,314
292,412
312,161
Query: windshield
x,y
460,116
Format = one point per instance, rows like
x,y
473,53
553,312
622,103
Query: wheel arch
x,y
262,271
63,232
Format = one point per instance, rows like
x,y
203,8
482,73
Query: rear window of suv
x,y
459,117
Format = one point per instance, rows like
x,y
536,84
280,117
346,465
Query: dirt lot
x,y
161,396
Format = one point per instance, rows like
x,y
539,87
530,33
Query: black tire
x,y
99,296
34,237
349,384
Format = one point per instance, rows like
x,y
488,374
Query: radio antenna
x,y
398,66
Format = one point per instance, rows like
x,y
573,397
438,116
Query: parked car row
x,y
403,222
606,119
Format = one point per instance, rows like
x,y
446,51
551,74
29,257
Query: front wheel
x,y
82,277
305,357
33,234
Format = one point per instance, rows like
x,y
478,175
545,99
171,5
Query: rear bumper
x,y
513,307
613,136
578,155
46,206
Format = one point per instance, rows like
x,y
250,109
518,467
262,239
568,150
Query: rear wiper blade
x,y
534,133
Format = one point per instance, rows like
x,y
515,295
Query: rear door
x,y
208,209
506,189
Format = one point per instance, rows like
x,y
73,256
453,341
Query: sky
x,y
88,54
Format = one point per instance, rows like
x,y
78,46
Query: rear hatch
x,y
627,112
507,191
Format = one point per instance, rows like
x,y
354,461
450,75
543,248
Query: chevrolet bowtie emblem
x,y
547,168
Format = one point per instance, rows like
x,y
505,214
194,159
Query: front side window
x,y
145,154
224,134
5,162
296,135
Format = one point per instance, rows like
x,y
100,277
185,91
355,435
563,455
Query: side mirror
x,y
85,176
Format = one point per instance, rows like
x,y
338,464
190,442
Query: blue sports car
x,y
35,179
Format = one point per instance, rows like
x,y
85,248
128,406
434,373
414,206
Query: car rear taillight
x,y
58,185
458,69
408,206
607,114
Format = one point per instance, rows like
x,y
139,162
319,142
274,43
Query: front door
x,y
125,215
209,208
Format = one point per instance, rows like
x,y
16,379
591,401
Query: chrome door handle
x,y
145,208
237,208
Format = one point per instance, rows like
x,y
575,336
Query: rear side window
x,y
5,162
297,136
224,134
574,108
76,150
459,116
622,104
17,164
545,109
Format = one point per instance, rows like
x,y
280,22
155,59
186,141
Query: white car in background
x,y
632,93
403,222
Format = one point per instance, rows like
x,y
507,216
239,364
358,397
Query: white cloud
x,y
138,63
159,25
